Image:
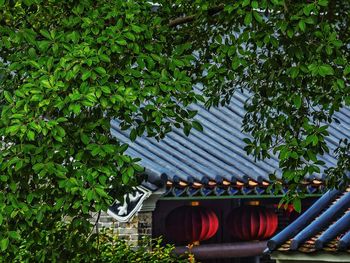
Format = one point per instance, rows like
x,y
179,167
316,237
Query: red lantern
x,y
252,223
191,224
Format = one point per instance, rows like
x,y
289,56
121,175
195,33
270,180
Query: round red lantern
x,y
191,224
252,223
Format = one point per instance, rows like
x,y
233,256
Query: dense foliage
x,y
104,248
292,57
67,67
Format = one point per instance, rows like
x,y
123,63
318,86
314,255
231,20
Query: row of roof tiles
x,y
217,153
226,188
325,226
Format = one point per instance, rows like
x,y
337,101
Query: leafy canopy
x,y
292,57
68,67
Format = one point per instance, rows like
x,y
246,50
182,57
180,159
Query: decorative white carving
x,y
139,195
123,210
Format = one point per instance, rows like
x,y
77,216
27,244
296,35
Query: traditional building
x,y
211,169
321,234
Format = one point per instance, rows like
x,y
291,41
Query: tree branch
x,y
186,19
181,20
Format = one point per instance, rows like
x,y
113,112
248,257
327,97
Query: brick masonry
x,y
140,226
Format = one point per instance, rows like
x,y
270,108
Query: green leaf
x,y
8,96
255,4
100,70
104,58
136,28
106,89
294,72
31,135
35,64
125,178
307,9
45,33
39,216
13,129
297,101
311,139
302,25
101,192
248,19
30,198
294,155
133,135
61,132
257,17
122,42
57,138
43,45
130,171
245,3
340,83
3,178
197,126
187,129
37,167
95,151
138,168
1,219
158,120
322,2
2,2
75,108
325,70
19,165
297,204
14,235
74,36
85,139
91,97
4,244
130,36
90,195
86,75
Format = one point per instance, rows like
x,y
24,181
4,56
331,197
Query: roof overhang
x,y
281,257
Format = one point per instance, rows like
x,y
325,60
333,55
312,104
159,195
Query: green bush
x,y
116,250
102,247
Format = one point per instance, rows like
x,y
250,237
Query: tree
x,y
68,67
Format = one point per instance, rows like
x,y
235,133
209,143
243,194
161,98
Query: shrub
x,y
102,247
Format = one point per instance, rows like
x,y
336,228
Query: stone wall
x,y
144,224
133,231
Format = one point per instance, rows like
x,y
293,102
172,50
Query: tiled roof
x,y
325,226
215,156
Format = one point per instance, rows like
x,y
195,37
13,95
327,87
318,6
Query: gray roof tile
x,y
218,151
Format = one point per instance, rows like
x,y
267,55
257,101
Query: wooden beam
x,y
225,250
